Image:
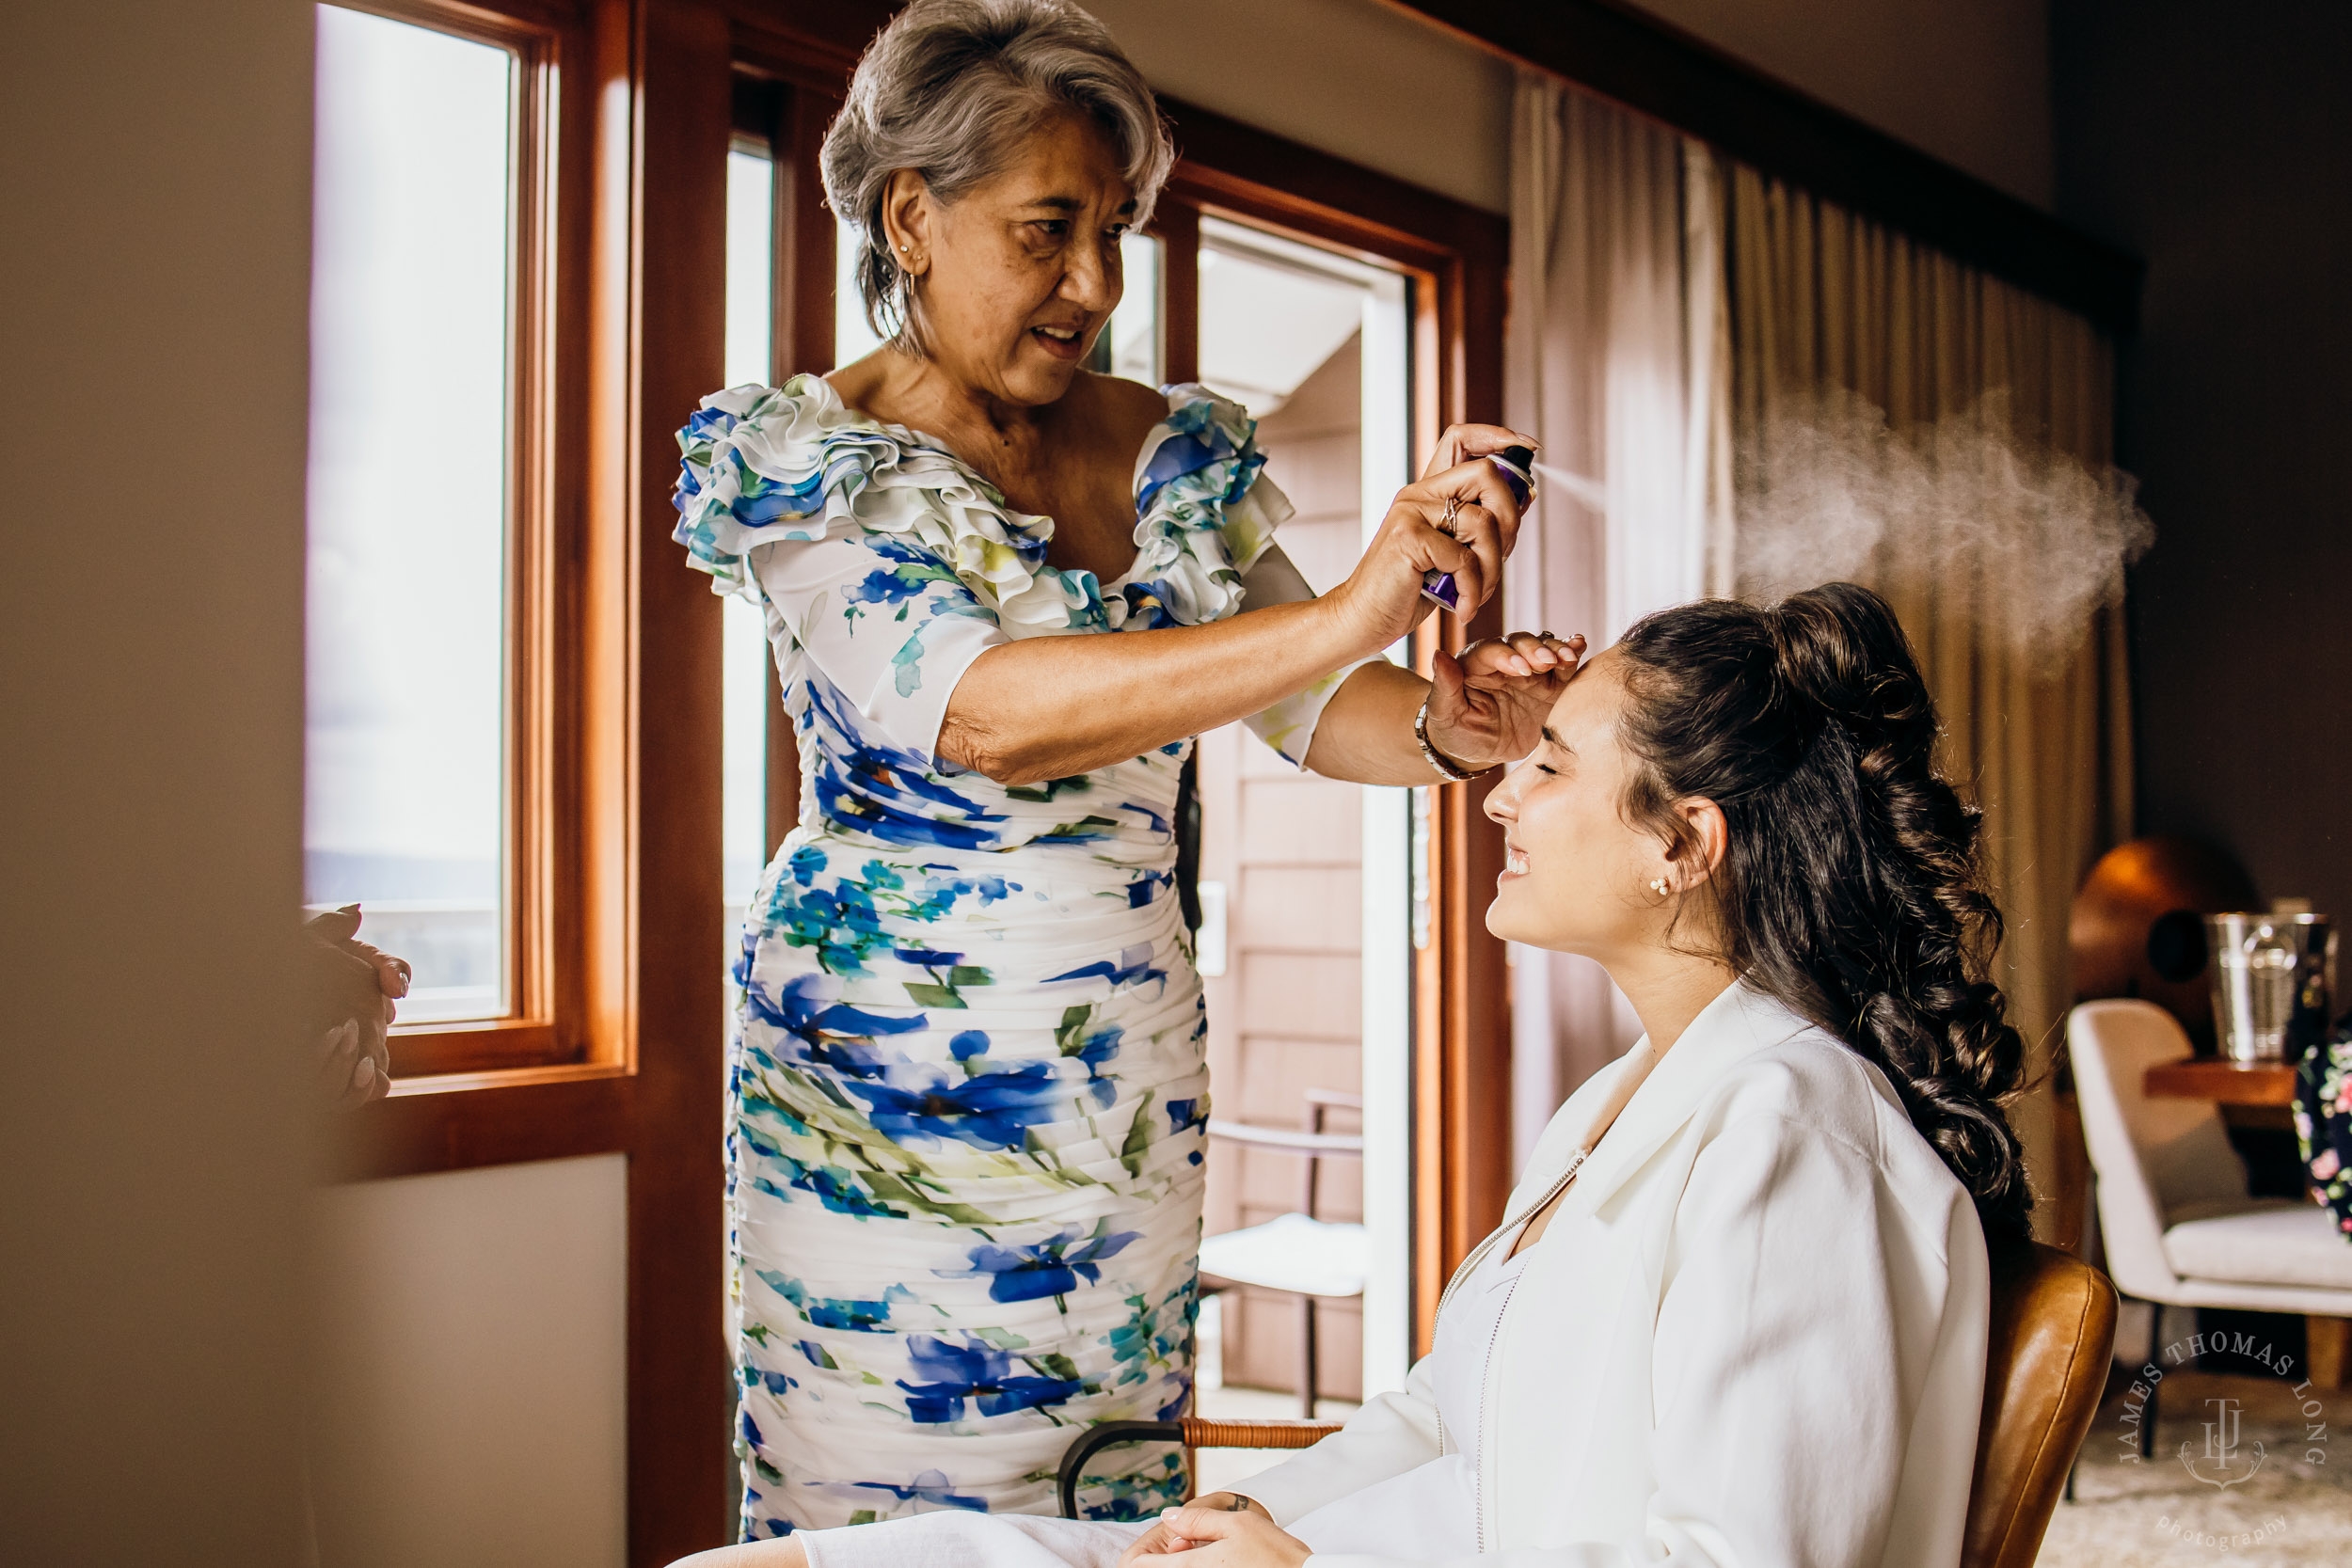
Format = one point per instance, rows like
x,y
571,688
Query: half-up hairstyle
x,y
1852,888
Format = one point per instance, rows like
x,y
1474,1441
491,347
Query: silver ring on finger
x,y
1452,512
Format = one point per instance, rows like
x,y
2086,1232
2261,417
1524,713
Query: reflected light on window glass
x,y
750,339
1272,311
1134,331
853,339
405,797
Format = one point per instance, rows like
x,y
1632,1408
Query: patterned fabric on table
x,y
2323,1120
967,1089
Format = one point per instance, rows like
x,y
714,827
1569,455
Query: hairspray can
x,y
1517,466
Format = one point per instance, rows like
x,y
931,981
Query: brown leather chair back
x,y
2045,1364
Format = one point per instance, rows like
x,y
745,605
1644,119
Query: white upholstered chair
x,y
2175,1215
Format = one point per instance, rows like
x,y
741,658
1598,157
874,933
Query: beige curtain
x,y
1617,358
1823,302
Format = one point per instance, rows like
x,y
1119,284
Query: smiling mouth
x,y
1514,861
1062,342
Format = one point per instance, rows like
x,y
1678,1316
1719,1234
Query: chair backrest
x,y
2045,1364
2152,1156
1312,1141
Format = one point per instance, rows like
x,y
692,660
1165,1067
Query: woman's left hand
x,y
1214,1538
1488,707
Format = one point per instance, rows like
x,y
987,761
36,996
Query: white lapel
x,y
1595,1281
1739,1020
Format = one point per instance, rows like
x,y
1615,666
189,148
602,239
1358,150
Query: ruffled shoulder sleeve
x,y
769,465
1204,509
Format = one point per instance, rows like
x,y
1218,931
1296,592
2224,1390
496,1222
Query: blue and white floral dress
x,y
967,1090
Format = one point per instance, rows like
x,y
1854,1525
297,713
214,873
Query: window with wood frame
x,y
782,321
432,665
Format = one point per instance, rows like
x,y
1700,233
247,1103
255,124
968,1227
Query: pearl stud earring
x,y
1660,886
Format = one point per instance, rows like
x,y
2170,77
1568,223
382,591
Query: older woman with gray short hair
x,y
1004,593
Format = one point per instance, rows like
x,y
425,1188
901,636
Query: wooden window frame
x,y
785,91
541,1027
624,721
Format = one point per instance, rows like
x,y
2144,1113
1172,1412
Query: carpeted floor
x,y
2289,1514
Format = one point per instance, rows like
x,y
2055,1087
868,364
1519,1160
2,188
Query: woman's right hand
x,y
1159,1538
1381,599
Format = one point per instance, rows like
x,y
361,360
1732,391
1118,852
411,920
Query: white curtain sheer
x,y
1618,359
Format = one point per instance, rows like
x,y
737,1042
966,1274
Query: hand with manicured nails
x,y
1222,1531
1160,1539
1488,707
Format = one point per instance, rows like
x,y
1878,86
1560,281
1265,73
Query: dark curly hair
x,y
1853,888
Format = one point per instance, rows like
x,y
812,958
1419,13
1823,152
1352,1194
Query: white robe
x,y
1753,1335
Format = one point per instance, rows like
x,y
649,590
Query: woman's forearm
x,y
1365,735
1052,707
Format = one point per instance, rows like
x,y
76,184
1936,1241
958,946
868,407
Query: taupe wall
x,y
2217,144
1352,77
1967,80
1969,83
154,189
476,1342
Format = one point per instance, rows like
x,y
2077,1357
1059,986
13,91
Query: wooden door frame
x,y
1456,257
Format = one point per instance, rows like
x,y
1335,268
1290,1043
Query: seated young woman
x,y
1737,1312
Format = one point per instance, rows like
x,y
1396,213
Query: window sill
x,y
483,1047
461,1120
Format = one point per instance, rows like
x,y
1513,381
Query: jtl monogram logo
x,y
2221,1463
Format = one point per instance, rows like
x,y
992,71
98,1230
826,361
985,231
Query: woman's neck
x,y
983,428
1668,990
